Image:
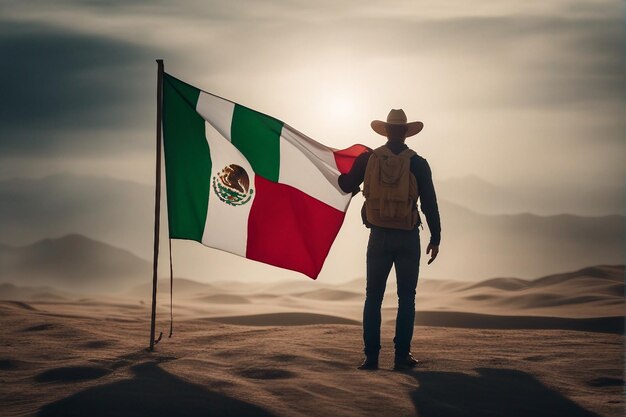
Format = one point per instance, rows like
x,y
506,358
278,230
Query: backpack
x,y
390,190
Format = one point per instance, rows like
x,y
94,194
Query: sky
x,y
513,92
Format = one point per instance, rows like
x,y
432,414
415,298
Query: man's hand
x,y
433,250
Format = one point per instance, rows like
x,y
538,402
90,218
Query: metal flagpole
x,y
157,201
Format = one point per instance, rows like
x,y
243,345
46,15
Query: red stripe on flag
x,y
290,229
345,157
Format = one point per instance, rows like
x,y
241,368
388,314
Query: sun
x,y
341,107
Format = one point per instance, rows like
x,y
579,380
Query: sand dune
x,y
590,276
18,304
183,286
589,292
486,321
291,350
330,294
507,284
283,319
223,299
288,287
59,364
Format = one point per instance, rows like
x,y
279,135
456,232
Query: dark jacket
x,y
351,181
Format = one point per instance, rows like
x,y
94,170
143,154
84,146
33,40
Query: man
x,y
394,178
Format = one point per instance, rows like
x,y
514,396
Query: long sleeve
x,y
427,196
351,181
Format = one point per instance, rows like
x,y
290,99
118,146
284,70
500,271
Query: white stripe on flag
x,y
217,111
311,168
226,226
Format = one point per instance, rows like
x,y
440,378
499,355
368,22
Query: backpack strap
x,y
407,153
384,150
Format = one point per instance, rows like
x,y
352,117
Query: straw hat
x,y
397,117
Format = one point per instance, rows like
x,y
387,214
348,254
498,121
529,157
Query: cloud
x,y
507,54
60,88
513,60
497,83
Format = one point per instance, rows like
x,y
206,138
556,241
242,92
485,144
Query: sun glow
x,y
341,107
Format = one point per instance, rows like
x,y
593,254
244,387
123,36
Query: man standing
x,y
394,178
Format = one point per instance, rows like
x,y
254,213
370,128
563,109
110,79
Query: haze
x,y
523,106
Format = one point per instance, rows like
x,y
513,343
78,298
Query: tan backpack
x,y
390,189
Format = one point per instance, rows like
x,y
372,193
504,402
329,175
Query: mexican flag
x,y
247,183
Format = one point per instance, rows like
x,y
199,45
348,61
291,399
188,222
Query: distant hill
x,y
523,245
485,197
73,262
27,293
111,210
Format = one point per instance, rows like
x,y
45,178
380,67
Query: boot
x,y
405,361
369,364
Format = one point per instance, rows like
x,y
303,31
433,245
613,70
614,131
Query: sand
x,y
293,351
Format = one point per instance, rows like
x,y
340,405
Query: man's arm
x,y
428,198
351,181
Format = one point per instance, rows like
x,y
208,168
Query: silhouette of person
x,y
394,178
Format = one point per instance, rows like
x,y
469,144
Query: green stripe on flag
x,y
257,135
187,160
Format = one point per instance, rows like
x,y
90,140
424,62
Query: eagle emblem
x,y
232,185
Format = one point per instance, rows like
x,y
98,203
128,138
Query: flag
x,y
246,183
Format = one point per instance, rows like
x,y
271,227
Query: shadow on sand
x,y
493,392
151,392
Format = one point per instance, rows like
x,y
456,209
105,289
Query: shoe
x,y
369,364
403,362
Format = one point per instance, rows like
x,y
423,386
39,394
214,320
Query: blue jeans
x,y
387,247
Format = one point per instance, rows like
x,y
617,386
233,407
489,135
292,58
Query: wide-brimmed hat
x,y
397,118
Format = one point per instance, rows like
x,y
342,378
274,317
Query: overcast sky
x,y
514,92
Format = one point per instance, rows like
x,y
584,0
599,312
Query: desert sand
x,y
552,346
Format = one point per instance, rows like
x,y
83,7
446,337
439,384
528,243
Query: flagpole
x,y
157,201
